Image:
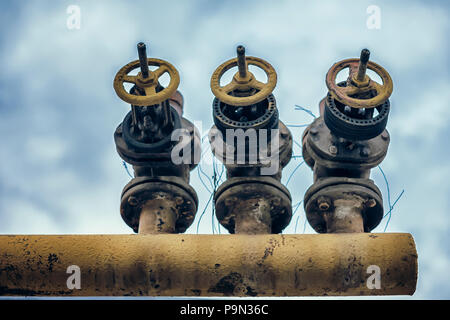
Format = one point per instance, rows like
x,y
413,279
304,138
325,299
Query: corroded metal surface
x,y
343,144
208,265
253,205
163,204
159,198
346,197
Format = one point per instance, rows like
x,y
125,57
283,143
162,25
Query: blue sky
x,y
60,172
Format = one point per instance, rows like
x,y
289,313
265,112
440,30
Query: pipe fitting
x,y
159,199
159,205
253,205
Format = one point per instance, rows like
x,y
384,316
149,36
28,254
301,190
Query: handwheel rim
x,y
384,90
155,97
266,88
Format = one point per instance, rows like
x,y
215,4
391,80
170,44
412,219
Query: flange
x,y
321,146
237,190
178,195
351,125
263,115
230,157
336,188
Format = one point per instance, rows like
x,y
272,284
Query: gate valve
x,y
359,83
251,200
146,80
343,145
245,102
244,89
350,105
159,198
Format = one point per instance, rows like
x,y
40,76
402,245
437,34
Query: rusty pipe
x,y
252,216
208,265
157,217
346,216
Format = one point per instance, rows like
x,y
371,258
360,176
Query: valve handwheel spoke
x,y
352,69
161,70
130,79
375,86
359,82
149,91
257,84
243,80
229,87
349,90
146,80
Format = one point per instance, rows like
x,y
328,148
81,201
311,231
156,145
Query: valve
x,y
359,83
146,80
159,198
343,145
351,105
254,145
243,81
245,102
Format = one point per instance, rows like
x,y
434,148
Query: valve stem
x,y
142,52
362,67
241,61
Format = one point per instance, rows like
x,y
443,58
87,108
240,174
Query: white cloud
x,y
49,148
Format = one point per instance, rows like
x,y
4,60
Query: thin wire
x,y
218,182
219,179
297,107
296,208
389,196
214,193
292,174
296,204
296,222
398,198
391,206
297,125
214,182
298,144
390,210
200,170
126,168
203,212
304,226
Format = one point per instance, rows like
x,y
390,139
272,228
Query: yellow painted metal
x,y
243,84
147,84
208,265
354,87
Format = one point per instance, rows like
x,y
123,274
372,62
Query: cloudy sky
x,y
60,173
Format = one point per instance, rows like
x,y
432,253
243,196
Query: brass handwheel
x,y
359,83
147,80
243,80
